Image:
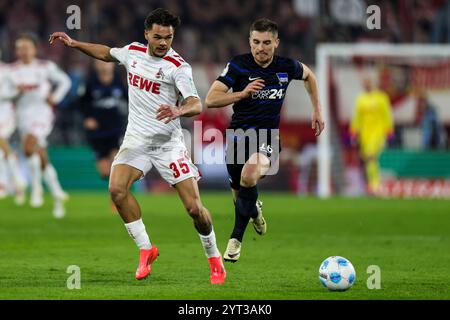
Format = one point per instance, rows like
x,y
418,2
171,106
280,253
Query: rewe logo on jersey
x,y
143,84
28,87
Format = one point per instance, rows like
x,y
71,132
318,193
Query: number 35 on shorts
x,y
179,167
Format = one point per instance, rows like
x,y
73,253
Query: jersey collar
x,y
169,53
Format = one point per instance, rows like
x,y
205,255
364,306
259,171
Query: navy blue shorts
x,y
102,147
240,148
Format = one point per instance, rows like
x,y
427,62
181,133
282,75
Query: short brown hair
x,y
28,36
264,25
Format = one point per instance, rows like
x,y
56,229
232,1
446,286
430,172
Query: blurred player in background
x,y
370,126
433,136
32,81
259,81
8,161
104,107
158,78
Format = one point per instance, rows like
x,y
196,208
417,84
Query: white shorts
x,y
7,121
37,122
171,160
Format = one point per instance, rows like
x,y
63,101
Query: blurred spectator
x,y
213,30
307,163
307,8
348,12
433,136
440,31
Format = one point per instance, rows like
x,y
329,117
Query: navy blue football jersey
x,y
261,110
107,104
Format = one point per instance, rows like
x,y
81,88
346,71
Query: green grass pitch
x,y
408,239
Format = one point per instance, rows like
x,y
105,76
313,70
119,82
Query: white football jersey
x,y
37,78
5,97
7,115
153,81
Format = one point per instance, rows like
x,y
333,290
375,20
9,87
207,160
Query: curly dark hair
x,y
162,17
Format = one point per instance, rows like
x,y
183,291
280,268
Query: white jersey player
x,y
8,160
7,114
158,78
32,81
152,82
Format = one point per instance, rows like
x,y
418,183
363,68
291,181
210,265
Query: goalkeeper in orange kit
x,y
371,126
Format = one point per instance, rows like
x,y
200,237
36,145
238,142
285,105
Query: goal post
x,y
325,53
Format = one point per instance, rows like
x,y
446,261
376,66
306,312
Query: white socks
x,y
3,172
34,163
136,230
209,244
51,180
15,171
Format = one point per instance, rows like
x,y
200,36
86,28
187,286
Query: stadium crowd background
x,y
212,31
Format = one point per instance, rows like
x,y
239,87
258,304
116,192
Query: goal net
x,y
415,161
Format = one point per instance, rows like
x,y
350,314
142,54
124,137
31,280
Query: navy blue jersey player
x,y
258,83
104,107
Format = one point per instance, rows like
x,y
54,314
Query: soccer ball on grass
x,y
337,273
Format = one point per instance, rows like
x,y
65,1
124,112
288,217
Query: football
x,y
337,273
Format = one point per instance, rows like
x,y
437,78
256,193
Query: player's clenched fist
x,y
253,87
62,36
167,112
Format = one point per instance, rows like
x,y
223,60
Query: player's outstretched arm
x,y
218,95
310,79
8,91
192,106
62,84
97,51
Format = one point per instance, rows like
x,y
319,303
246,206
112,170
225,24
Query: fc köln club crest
x,y
160,74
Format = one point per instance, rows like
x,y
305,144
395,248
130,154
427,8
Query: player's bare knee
x,y
29,144
118,193
249,180
194,209
4,148
28,149
28,152
44,162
